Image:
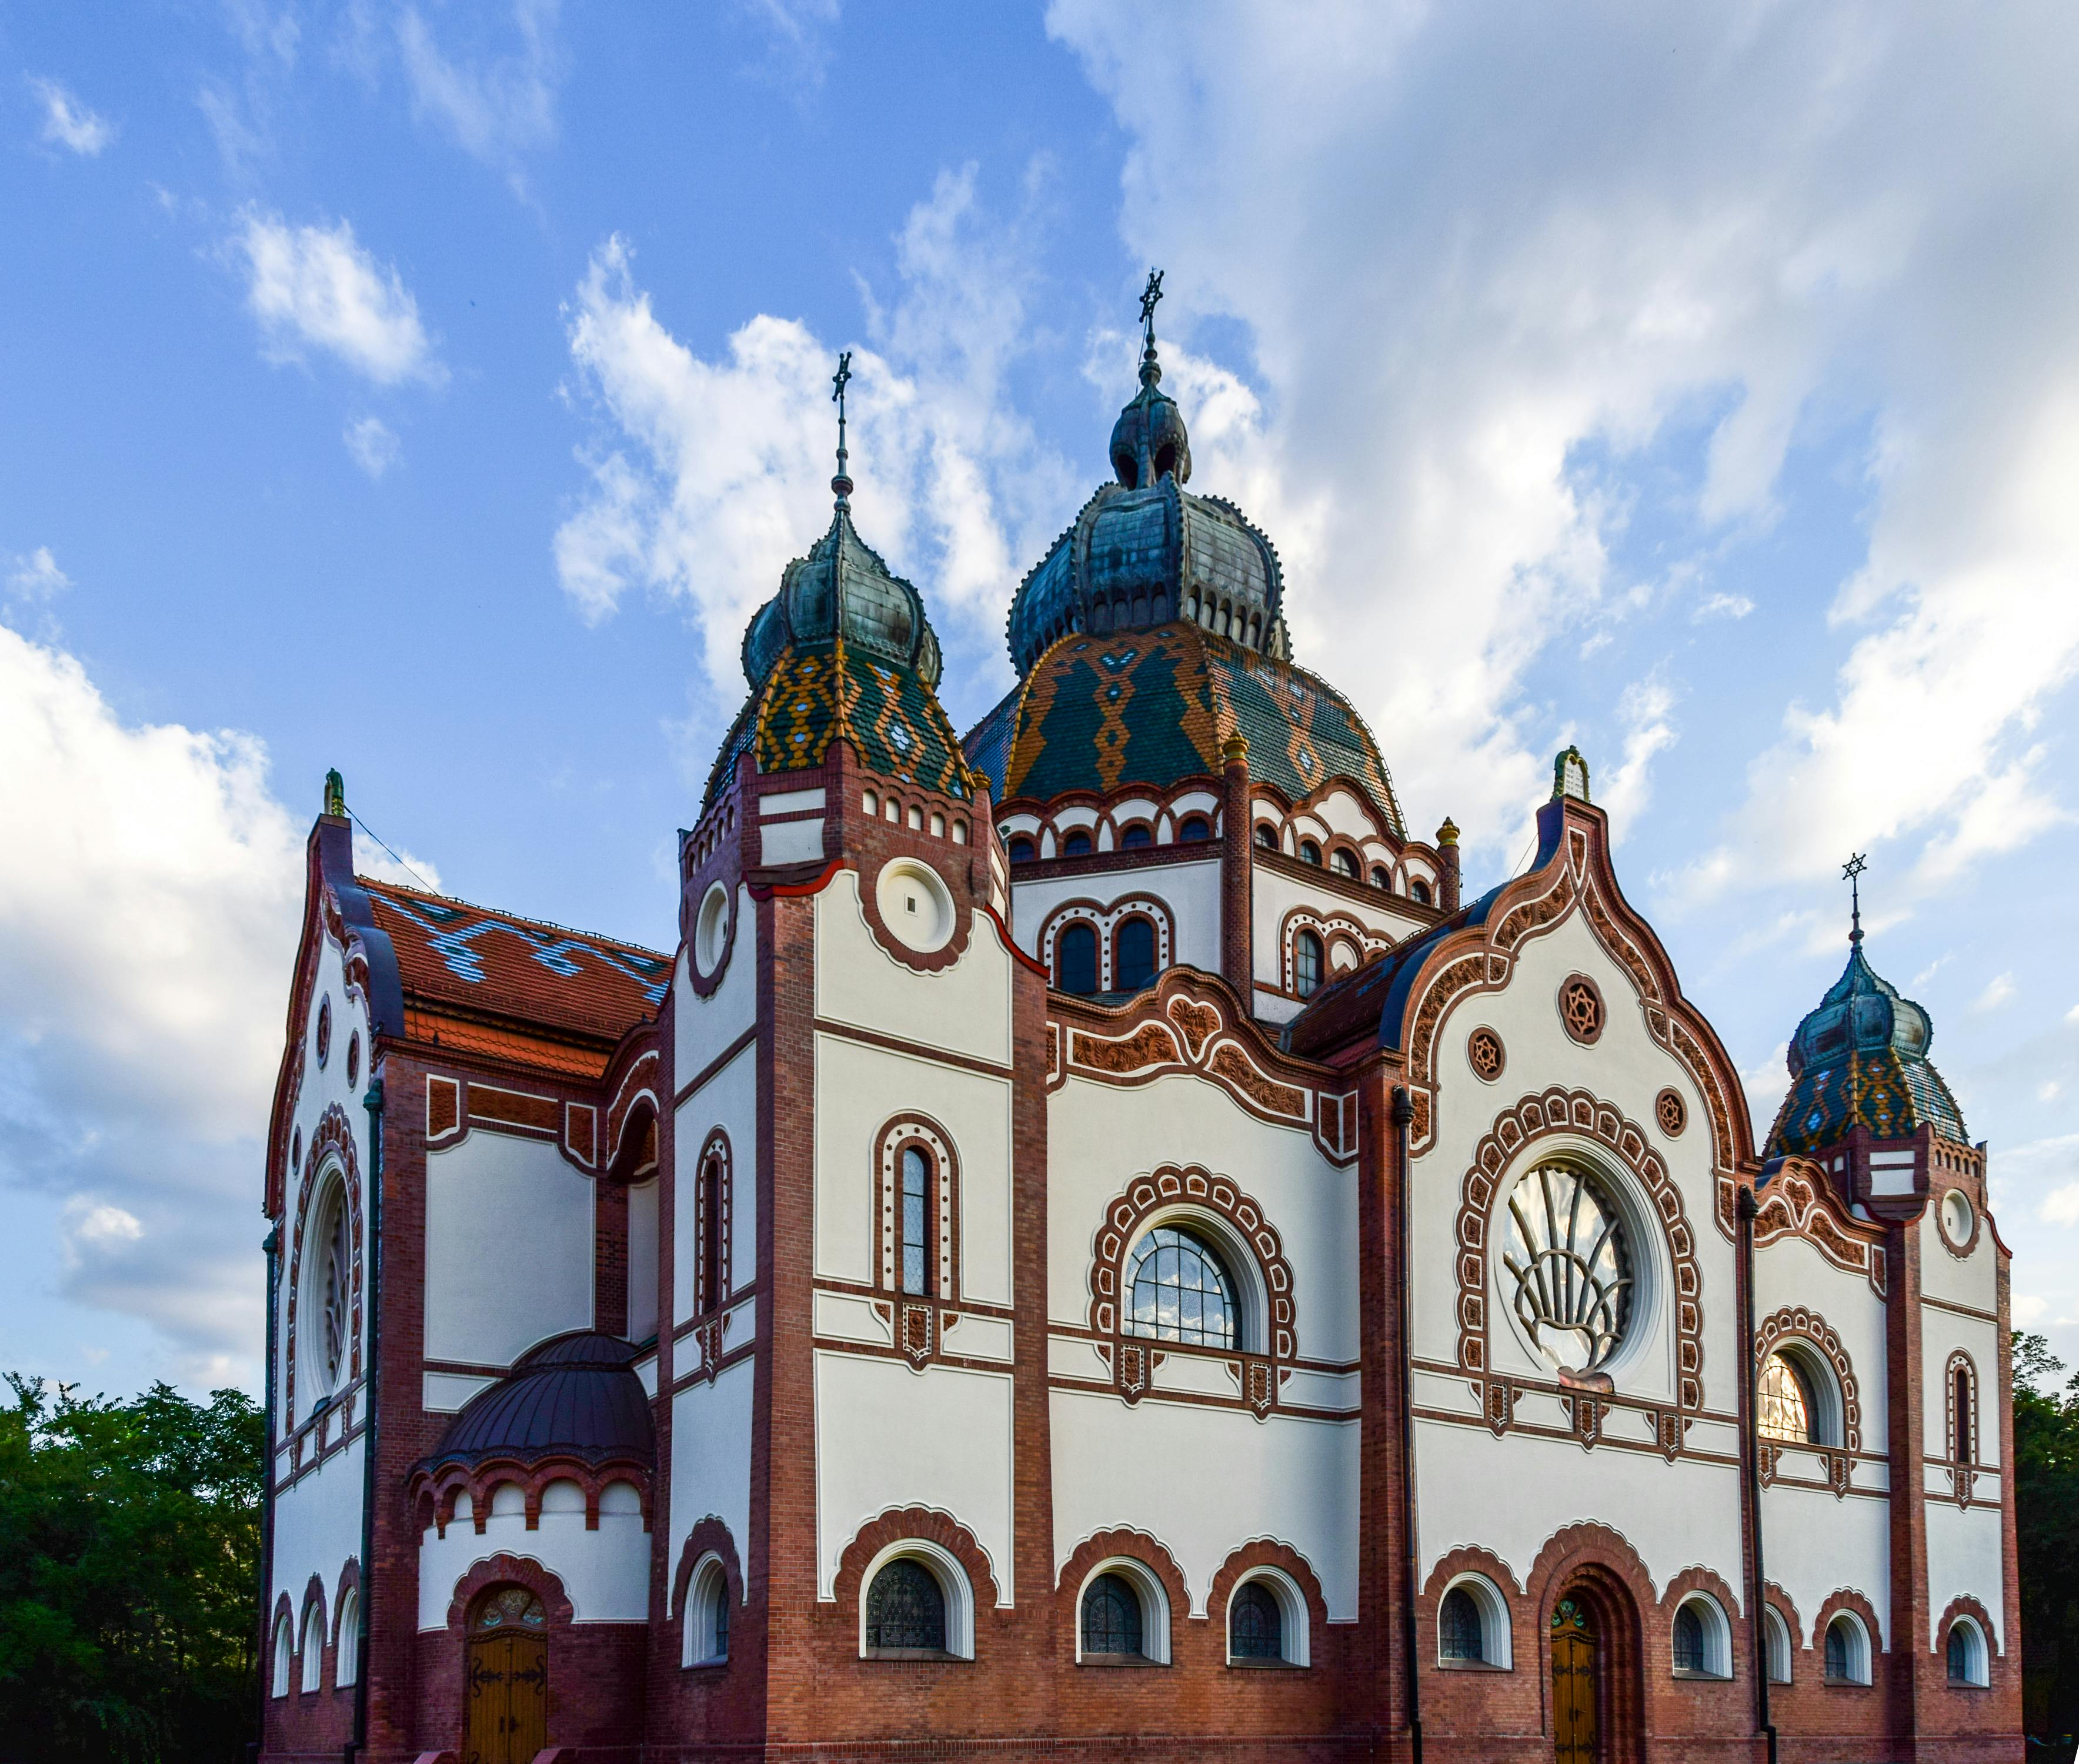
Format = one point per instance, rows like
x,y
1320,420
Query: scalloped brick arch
x,y
1139,1546
897,1525
1802,1322
710,1535
544,1583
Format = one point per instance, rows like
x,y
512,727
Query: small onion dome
x,y
576,1396
843,589
1150,441
1860,1060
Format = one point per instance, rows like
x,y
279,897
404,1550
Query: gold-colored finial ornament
x,y
335,794
1448,833
1235,747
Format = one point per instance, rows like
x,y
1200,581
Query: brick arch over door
x,y
1579,1113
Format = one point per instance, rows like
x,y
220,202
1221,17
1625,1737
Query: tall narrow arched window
x,y
1178,1290
914,1212
1111,1618
709,1227
707,1615
1785,1407
1458,1635
327,1316
1133,954
1776,1634
285,1654
1836,1652
1076,959
1306,963
1961,1400
1688,1641
349,1666
314,1641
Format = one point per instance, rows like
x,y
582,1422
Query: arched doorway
x,y
505,1688
1592,1665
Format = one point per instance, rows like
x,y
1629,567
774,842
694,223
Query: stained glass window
x,y
1179,1291
1959,1655
1785,1405
1112,1616
1132,955
509,1607
1572,1269
1840,1653
1458,1635
1255,1626
906,1609
916,1214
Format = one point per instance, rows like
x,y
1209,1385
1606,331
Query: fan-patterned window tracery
x,y
1179,1290
508,1607
335,1275
1568,1254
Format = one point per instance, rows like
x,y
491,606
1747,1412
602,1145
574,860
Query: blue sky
x,y
430,391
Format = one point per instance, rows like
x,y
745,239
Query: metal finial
x,y
1150,370
841,485
1850,871
335,793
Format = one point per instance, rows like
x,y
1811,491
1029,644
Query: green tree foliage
x,y
2046,1519
129,1546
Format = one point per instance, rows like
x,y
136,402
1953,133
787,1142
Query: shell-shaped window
x,y
1569,1259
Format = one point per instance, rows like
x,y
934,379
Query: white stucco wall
x,y
606,1573
317,1528
966,1005
1190,891
711,1462
1964,1557
1814,1544
509,1248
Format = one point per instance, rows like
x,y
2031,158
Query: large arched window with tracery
x,y
1569,1262
1785,1405
1179,1289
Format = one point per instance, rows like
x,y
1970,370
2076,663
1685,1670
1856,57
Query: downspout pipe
x,y
364,1605
1404,1114
1757,1593
271,1247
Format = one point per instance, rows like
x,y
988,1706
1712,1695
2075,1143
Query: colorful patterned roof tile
x,y
494,964
1154,707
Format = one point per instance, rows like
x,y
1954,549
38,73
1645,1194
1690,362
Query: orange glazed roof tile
x,y
492,963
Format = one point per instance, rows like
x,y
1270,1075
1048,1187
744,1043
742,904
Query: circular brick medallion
x,y
1581,1009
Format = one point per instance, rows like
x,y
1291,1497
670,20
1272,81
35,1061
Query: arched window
x,y
1345,862
1775,1640
285,1654
1785,1403
314,1641
1195,829
1111,1618
1132,954
1077,845
1309,852
1966,1654
906,1610
1266,835
1381,877
331,1290
709,1225
1962,1401
1458,1634
1568,1256
707,1615
1076,959
1179,1289
1688,1641
913,1216
1418,892
1306,963
1022,849
349,1666
1256,1626
1848,1651
1136,836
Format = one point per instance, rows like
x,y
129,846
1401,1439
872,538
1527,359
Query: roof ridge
x,y
378,885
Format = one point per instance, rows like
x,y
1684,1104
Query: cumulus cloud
x,y
496,105
1646,713
148,921
707,474
316,287
1468,248
1998,990
69,124
373,445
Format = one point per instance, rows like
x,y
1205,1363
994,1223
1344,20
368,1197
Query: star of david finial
x,y
1150,370
1857,863
841,485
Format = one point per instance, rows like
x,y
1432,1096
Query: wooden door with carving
x,y
506,1685
1573,1686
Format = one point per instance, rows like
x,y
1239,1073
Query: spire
x,y
1857,863
841,485
1151,369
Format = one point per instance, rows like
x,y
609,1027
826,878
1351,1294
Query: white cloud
x,y
2060,1206
1723,606
1860,210
1764,1086
710,474
316,286
497,106
148,909
37,577
69,124
373,444
1646,712
1998,990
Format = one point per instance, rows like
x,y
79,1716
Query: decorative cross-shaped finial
x,y
1850,871
1150,370
841,485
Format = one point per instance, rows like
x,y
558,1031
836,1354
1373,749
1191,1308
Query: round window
x,y
916,906
1568,1262
1957,1218
711,930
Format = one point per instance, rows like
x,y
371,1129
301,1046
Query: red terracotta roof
x,y
492,963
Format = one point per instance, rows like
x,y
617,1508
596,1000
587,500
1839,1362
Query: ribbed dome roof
x,y
1860,1060
576,1395
843,589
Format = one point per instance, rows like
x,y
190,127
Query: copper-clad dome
x,y
576,1396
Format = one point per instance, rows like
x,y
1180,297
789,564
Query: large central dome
x,y
1145,551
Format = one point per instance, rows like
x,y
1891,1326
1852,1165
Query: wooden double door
x,y
505,1685
1576,1684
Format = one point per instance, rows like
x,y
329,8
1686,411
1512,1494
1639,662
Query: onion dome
x,y
1859,1060
576,1396
1144,550
1154,708
843,589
